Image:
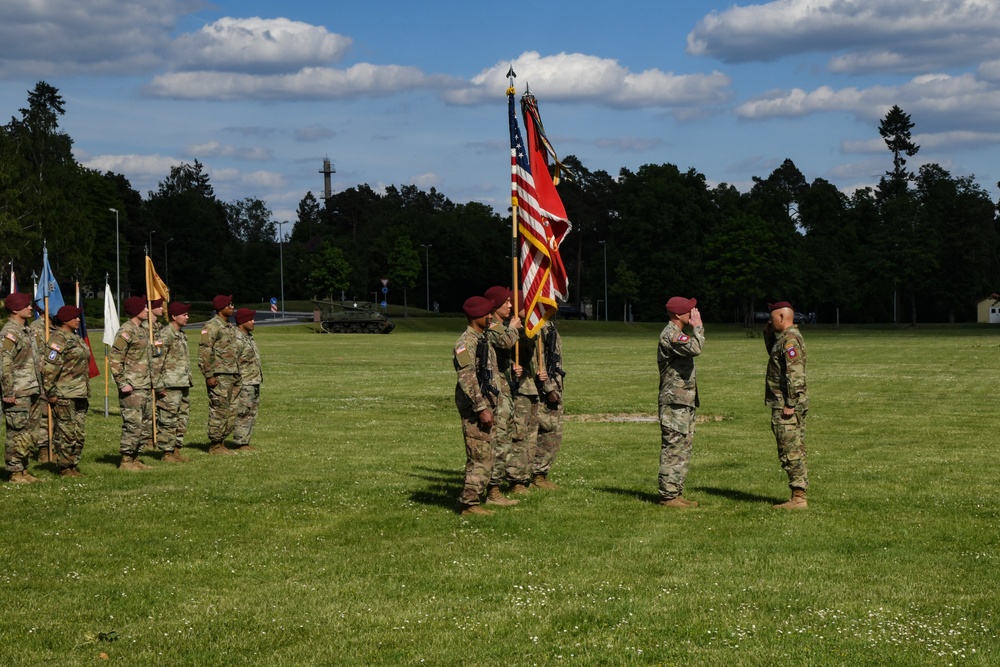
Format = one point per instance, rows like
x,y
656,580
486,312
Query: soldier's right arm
x,y
116,358
465,367
206,351
7,363
502,336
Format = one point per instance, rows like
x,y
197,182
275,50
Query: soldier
x,y
678,397
525,433
131,361
251,377
173,409
21,383
66,380
786,394
502,338
41,433
476,400
218,354
550,408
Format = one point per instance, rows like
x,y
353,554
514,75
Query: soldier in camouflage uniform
x,y
218,359
678,397
503,338
21,384
550,408
173,409
41,432
525,434
66,379
786,394
251,377
131,360
476,406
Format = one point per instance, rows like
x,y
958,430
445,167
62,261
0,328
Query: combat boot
x,y
181,457
22,477
519,489
494,497
476,510
678,502
542,482
219,449
139,465
130,463
43,454
171,457
796,502
70,472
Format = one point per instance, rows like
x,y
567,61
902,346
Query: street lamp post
x,y
166,262
151,243
605,244
118,266
281,263
427,267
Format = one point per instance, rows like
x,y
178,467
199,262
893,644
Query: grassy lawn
x,y
338,543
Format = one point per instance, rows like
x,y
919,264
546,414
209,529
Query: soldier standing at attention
x,y
41,432
502,338
476,399
218,355
173,409
550,408
66,379
251,376
525,435
786,394
678,397
21,383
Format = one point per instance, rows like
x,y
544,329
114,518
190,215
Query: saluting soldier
x,y
251,377
21,384
550,408
173,408
218,359
502,336
66,379
785,392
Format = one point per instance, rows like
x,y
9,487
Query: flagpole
x,y
515,277
107,350
150,321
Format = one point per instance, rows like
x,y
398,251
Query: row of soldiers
x,y
47,381
509,396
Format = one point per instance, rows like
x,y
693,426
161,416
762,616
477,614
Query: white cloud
x,y
426,181
602,81
258,45
930,142
143,166
215,149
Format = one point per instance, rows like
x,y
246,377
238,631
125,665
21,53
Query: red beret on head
x,y
222,301
17,301
244,315
67,313
477,306
780,304
134,305
498,294
156,303
177,308
678,305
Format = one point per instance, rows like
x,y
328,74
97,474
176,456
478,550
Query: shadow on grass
x,y
109,459
444,489
642,496
739,496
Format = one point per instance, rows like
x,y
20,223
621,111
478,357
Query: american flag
x,y
543,277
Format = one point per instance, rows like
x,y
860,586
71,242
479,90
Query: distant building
x,y
988,310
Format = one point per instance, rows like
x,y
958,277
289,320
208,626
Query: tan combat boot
x,y
519,489
181,457
542,482
796,502
494,497
70,472
219,449
476,510
139,465
128,463
22,477
171,457
678,502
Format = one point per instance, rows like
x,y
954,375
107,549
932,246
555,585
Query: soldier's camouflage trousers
x,y
21,419
790,436
41,431
550,417
173,413
247,404
523,439
503,424
69,422
137,420
222,407
478,457
676,442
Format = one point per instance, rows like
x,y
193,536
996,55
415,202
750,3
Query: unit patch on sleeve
x,y
792,352
681,338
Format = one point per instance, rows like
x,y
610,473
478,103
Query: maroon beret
x,y
67,313
17,301
134,305
498,294
155,303
678,305
780,304
244,315
177,308
222,301
477,306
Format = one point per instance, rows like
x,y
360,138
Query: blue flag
x,y
47,286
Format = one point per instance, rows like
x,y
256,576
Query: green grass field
x,y
339,544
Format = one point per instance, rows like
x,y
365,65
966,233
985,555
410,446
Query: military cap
x,y
244,315
177,308
498,294
221,301
678,305
155,303
67,313
134,305
17,301
780,304
477,306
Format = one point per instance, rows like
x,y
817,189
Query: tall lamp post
x,y
427,267
281,263
150,246
118,266
605,244
166,262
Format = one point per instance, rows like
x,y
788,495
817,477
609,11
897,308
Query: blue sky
x,y
413,93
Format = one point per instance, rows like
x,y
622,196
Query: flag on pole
x,y
155,287
48,287
92,371
13,278
111,321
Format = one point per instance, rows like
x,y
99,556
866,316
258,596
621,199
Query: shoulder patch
x,y
125,335
681,338
792,352
53,354
10,336
56,346
463,356
204,331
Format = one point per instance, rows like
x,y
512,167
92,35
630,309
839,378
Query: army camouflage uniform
x,y
525,432
66,377
785,386
41,431
173,408
550,415
470,401
218,357
502,340
251,377
678,400
20,378
132,361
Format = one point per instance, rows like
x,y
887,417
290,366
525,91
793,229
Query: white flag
x,y
111,323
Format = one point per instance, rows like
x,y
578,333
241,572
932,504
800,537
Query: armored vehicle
x,y
352,317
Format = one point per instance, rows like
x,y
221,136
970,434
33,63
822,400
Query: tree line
x,y
919,247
